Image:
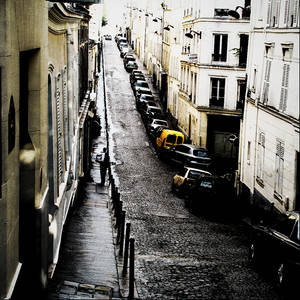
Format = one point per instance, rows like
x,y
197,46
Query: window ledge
x,y
260,182
278,197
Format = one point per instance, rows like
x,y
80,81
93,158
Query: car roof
x,y
170,131
198,170
155,120
154,107
194,147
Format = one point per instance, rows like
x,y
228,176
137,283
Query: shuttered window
x,y
220,47
284,87
279,161
291,13
266,86
59,130
261,155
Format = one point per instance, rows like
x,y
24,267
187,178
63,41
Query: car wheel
x,y
254,255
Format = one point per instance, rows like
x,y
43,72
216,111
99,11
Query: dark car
x,y
143,99
152,112
144,105
107,37
191,155
128,58
275,248
185,178
205,193
135,78
140,91
131,65
139,84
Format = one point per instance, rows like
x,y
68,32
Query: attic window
x,y
269,48
287,49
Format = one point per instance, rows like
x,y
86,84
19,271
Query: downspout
x,y
70,90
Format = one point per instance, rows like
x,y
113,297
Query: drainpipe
x,y
69,128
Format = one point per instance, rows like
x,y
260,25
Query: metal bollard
x,y
131,270
118,213
121,242
126,249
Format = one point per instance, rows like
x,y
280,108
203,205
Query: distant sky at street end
x,y
113,10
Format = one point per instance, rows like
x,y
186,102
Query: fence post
x,y
131,270
126,249
121,242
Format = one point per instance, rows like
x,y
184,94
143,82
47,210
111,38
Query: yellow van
x,y
167,138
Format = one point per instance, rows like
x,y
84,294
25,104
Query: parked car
x,y
135,78
142,100
122,45
123,50
190,155
140,91
206,194
276,248
144,105
139,84
151,112
127,58
184,180
131,65
107,37
167,138
156,123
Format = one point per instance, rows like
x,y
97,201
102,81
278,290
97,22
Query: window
x,y
243,50
217,92
261,155
220,47
291,13
265,93
221,12
241,94
284,87
248,151
279,166
273,13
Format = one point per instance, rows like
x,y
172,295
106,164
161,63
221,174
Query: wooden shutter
x,y
286,12
266,82
284,87
216,54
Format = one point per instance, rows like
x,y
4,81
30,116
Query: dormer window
x,y
287,49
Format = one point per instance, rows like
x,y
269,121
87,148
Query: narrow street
x,y
178,255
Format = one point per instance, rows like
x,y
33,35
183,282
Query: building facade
x,y
213,69
269,171
47,105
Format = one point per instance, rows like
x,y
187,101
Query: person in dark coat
x,y
103,166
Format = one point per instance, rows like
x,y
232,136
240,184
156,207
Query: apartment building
x,y
269,170
212,79
44,150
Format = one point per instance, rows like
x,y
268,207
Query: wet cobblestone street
x,y
178,255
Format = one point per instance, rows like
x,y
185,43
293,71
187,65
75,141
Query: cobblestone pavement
x,y
178,255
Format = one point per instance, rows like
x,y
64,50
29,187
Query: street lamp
x,y
156,19
233,13
168,27
190,35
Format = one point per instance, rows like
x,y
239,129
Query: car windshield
x,y
159,122
131,63
200,153
171,138
142,84
145,97
194,174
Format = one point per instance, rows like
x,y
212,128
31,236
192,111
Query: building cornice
x,y
276,113
215,20
215,67
59,14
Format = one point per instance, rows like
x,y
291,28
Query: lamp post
x,y
190,34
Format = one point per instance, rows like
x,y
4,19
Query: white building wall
x,y
267,116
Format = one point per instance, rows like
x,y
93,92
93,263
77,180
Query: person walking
x,y
103,166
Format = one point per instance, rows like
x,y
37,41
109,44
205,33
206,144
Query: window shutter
x,y
217,47
266,82
277,12
224,47
269,14
284,87
286,12
295,13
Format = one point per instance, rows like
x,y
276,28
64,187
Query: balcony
x,y
216,103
